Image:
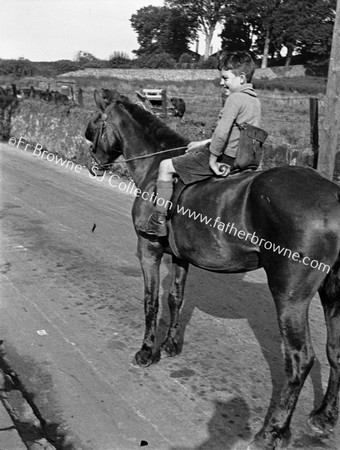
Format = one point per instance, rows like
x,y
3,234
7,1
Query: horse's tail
x,y
330,287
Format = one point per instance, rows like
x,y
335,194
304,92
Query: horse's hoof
x,y
145,357
320,424
270,441
277,445
254,446
170,348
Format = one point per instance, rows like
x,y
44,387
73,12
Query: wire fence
x,y
291,120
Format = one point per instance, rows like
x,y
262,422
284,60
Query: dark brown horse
x,y
286,220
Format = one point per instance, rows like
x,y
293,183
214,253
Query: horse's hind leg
x,y
171,345
292,304
324,418
150,254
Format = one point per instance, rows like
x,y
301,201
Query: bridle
x,y
100,133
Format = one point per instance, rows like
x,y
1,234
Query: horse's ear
x,y
100,102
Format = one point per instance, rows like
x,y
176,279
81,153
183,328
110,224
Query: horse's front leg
x,y
171,346
150,254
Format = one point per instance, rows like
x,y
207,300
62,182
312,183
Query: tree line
x,y
265,27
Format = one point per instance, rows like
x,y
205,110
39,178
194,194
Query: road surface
x,y
72,319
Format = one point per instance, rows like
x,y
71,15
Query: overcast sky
x,y
48,30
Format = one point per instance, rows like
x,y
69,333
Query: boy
x,y
202,160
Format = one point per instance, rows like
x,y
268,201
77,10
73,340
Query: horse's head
x,y
105,143
124,126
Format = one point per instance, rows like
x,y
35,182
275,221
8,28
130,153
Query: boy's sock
x,y
164,191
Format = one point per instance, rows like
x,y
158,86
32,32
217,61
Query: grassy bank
x,y
60,129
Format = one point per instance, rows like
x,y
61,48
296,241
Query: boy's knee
x,y
166,167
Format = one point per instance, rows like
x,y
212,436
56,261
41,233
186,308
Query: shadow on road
x,y
225,425
29,418
231,296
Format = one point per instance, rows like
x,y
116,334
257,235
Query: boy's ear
x,y
243,78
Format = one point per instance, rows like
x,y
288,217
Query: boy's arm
x,y
196,145
224,126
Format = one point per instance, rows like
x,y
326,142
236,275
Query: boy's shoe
x,y
156,225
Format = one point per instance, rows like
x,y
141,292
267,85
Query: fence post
x,y
164,103
80,98
314,129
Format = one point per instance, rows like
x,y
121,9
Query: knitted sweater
x,y
241,106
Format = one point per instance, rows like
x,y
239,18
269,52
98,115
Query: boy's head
x,y
239,63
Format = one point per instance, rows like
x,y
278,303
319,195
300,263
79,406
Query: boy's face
x,y
231,81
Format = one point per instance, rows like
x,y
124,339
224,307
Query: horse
x,y
289,206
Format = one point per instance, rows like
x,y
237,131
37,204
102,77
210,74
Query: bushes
x,y
210,63
303,85
64,65
185,58
156,61
118,62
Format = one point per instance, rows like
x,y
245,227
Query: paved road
x,y
71,316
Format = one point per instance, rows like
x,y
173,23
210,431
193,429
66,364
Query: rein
x,y
144,156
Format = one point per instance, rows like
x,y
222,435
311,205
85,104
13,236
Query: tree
x,y
260,15
162,30
266,26
237,34
207,13
249,25
310,33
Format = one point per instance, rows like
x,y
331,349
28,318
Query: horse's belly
x,y
233,264
215,249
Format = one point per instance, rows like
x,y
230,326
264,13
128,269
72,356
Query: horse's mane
x,y
157,130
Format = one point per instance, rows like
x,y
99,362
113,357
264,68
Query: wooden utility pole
x,y
314,129
331,123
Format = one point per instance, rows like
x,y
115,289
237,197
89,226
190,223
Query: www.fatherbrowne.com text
x,y
130,188
230,228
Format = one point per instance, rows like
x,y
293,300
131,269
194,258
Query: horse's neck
x,y
140,142
135,145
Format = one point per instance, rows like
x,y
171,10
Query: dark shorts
x,y
194,166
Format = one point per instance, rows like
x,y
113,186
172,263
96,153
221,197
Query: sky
x,y
49,30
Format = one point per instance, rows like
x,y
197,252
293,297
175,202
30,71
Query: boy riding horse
x,y
217,155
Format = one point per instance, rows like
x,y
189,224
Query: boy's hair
x,y
238,62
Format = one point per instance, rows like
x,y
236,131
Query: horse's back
x,y
303,185
295,197
223,218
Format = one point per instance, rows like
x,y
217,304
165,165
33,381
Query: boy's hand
x,y
220,169
196,145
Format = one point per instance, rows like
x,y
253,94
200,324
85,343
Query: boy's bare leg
x,y
157,222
